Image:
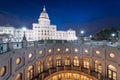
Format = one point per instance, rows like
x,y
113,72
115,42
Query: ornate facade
x,y
43,30
60,61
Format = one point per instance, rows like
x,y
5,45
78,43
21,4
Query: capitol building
x,y
43,30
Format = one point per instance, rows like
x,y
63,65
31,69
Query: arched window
x,y
19,76
50,63
40,66
58,61
111,72
98,66
86,63
67,76
30,73
67,61
2,71
76,61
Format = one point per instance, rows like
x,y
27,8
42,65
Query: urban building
x,y
59,61
43,30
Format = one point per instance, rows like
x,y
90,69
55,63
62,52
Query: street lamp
x,y
113,37
82,32
24,29
82,36
113,34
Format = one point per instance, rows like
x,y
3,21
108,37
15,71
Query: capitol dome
x,y
44,14
44,18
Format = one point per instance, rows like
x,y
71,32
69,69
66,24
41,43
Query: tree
x,y
105,34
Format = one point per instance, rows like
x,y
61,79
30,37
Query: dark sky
x,y
89,15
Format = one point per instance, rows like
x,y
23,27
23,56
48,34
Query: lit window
x,y
58,49
30,55
49,50
86,51
86,63
40,52
50,63
76,61
97,52
67,50
76,50
58,61
30,72
18,77
67,61
2,71
112,55
98,66
18,60
112,74
40,66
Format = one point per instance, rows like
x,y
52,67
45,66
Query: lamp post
x,y
82,36
113,37
24,29
24,41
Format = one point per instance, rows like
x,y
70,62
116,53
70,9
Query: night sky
x,y
88,15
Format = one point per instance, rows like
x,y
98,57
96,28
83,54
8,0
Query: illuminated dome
x,y
44,18
44,14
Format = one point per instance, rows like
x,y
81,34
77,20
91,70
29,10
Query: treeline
x,y
106,34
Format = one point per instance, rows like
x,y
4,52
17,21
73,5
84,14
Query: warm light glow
x,y
2,71
69,76
30,55
112,55
18,77
58,49
49,50
67,50
97,52
86,51
76,50
40,52
18,60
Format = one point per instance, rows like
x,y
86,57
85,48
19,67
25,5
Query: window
x,y
40,66
18,60
112,74
66,49
2,71
50,63
97,52
58,61
40,52
86,51
76,61
30,73
76,50
19,76
112,55
49,50
98,66
67,76
58,49
86,63
67,60
30,55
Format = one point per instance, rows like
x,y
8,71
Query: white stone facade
x,y
42,30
